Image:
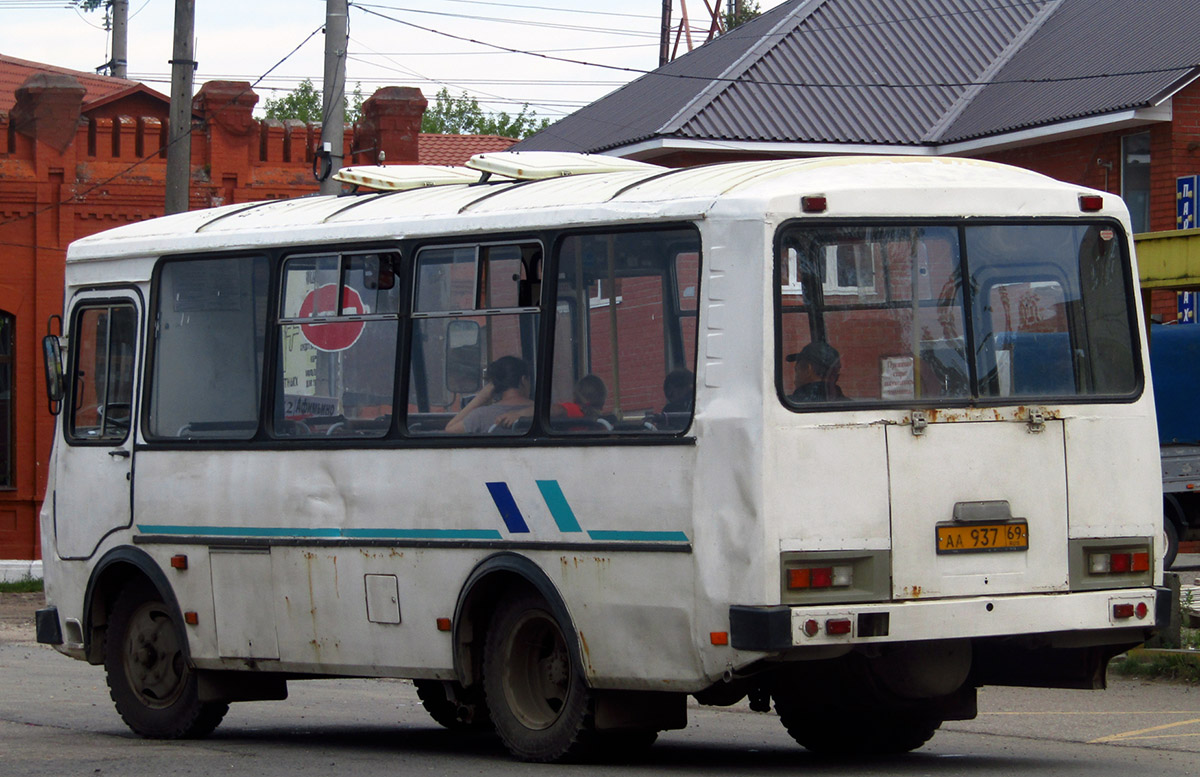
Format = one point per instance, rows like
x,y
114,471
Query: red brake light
x,y
1125,610
822,577
1121,562
1090,203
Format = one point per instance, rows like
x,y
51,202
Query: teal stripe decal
x,y
563,515
262,531
639,536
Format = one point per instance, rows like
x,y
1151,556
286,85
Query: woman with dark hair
x,y
507,390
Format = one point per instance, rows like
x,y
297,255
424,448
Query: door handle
x,y
119,453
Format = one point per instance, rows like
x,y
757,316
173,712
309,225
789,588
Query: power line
x,y
809,84
519,22
79,197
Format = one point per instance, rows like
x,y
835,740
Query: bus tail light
x,y
803,578
1121,563
808,577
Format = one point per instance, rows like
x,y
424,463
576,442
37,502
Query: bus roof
x,y
853,186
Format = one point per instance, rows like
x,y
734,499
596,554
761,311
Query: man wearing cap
x,y
817,368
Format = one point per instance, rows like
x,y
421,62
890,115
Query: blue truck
x,y
1175,363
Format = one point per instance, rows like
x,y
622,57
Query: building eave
x,y
653,148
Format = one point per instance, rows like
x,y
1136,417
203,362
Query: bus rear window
x,y
878,313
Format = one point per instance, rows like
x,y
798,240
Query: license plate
x,y
982,537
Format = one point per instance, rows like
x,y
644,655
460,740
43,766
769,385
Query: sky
x,y
392,43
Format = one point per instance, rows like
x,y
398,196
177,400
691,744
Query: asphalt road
x,y
56,719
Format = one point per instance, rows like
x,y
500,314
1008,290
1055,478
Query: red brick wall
x,y
109,171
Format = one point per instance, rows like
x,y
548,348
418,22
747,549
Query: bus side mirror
x,y
52,351
464,354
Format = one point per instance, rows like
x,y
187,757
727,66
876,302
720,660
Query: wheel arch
x,y
496,577
115,570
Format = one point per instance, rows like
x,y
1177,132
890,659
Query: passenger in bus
x,y
588,398
678,388
817,367
507,390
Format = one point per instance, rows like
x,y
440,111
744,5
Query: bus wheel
x,y
149,679
844,733
454,715
539,703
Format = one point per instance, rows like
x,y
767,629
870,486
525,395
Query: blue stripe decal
x,y
639,536
564,516
508,508
260,531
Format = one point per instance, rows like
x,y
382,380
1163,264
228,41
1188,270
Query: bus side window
x,y
338,326
473,305
626,320
209,330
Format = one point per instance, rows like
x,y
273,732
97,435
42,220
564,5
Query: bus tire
x,y
149,679
540,704
454,715
844,733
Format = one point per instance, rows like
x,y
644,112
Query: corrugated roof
x,y
899,72
14,72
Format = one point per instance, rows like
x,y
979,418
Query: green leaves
x,y
306,104
462,116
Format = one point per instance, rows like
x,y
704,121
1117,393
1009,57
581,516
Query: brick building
x,y
81,153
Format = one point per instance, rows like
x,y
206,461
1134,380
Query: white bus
x,y
852,436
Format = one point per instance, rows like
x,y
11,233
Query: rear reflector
x,y
813,204
1123,610
839,626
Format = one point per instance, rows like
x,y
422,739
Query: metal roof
x,y
900,72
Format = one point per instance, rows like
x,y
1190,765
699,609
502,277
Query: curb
x,y
15,571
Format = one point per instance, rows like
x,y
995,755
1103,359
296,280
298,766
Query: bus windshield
x,y
880,313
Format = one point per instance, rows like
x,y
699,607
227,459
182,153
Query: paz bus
x,y
861,436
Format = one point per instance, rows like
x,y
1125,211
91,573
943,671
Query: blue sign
x,y
1185,202
1187,307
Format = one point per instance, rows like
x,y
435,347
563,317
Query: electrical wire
x,y
809,84
81,196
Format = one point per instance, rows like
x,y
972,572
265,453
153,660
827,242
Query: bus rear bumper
x,y
780,627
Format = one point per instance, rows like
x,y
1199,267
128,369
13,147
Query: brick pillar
x,y
233,136
391,123
47,109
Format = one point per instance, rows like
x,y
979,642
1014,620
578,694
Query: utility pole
x,y
333,117
179,137
120,38
664,35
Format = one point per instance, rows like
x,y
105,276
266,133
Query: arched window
x,y
8,326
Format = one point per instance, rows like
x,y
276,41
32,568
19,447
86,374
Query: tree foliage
x,y
736,18
462,116
305,103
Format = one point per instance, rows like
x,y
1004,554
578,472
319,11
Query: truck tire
x,y
1170,542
